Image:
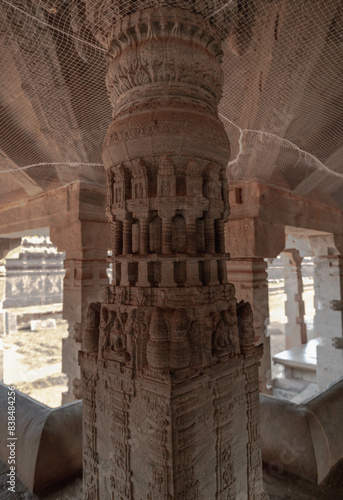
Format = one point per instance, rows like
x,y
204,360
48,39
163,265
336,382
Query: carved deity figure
x,y
220,339
245,323
117,337
91,333
131,328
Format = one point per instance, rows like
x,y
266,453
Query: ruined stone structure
x,y
34,275
169,366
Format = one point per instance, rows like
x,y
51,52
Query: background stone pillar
x,y
2,313
84,283
85,244
295,328
251,283
328,324
6,244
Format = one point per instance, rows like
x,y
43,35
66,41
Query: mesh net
x,y
282,102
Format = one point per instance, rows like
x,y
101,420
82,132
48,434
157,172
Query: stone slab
x,y
303,357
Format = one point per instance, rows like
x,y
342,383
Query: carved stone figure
x,y
91,334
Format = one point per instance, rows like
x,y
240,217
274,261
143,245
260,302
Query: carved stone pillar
x,y
144,237
2,294
2,313
6,244
251,283
191,236
171,390
166,236
84,282
85,244
328,323
295,328
210,241
117,240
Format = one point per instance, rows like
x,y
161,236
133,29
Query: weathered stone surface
x,y
169,366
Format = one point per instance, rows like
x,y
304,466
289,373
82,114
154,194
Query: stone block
x,y
8,323
42,324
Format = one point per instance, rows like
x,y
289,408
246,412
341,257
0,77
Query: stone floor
x,y
282,487
67,490
286,487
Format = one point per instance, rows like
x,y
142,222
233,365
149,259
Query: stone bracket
x,y
337,342
336,305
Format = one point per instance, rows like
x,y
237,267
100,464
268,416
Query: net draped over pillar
x,y
169,367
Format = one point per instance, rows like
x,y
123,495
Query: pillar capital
x,y
102,15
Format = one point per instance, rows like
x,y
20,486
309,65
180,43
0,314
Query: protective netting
x,y
282,104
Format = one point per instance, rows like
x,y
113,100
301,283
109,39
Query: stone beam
x,y
57,208
275,206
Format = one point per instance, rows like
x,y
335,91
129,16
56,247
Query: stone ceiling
x,y
282,105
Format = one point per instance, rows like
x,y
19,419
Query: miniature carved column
x,y
251,282
166,236
295,328
144,237
127,237
170,373
191,236
117,239
328,323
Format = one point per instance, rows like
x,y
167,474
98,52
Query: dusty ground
x,y
32,362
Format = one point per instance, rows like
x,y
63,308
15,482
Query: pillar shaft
x,y
170,387
2,314
295,328
144,237
328,323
